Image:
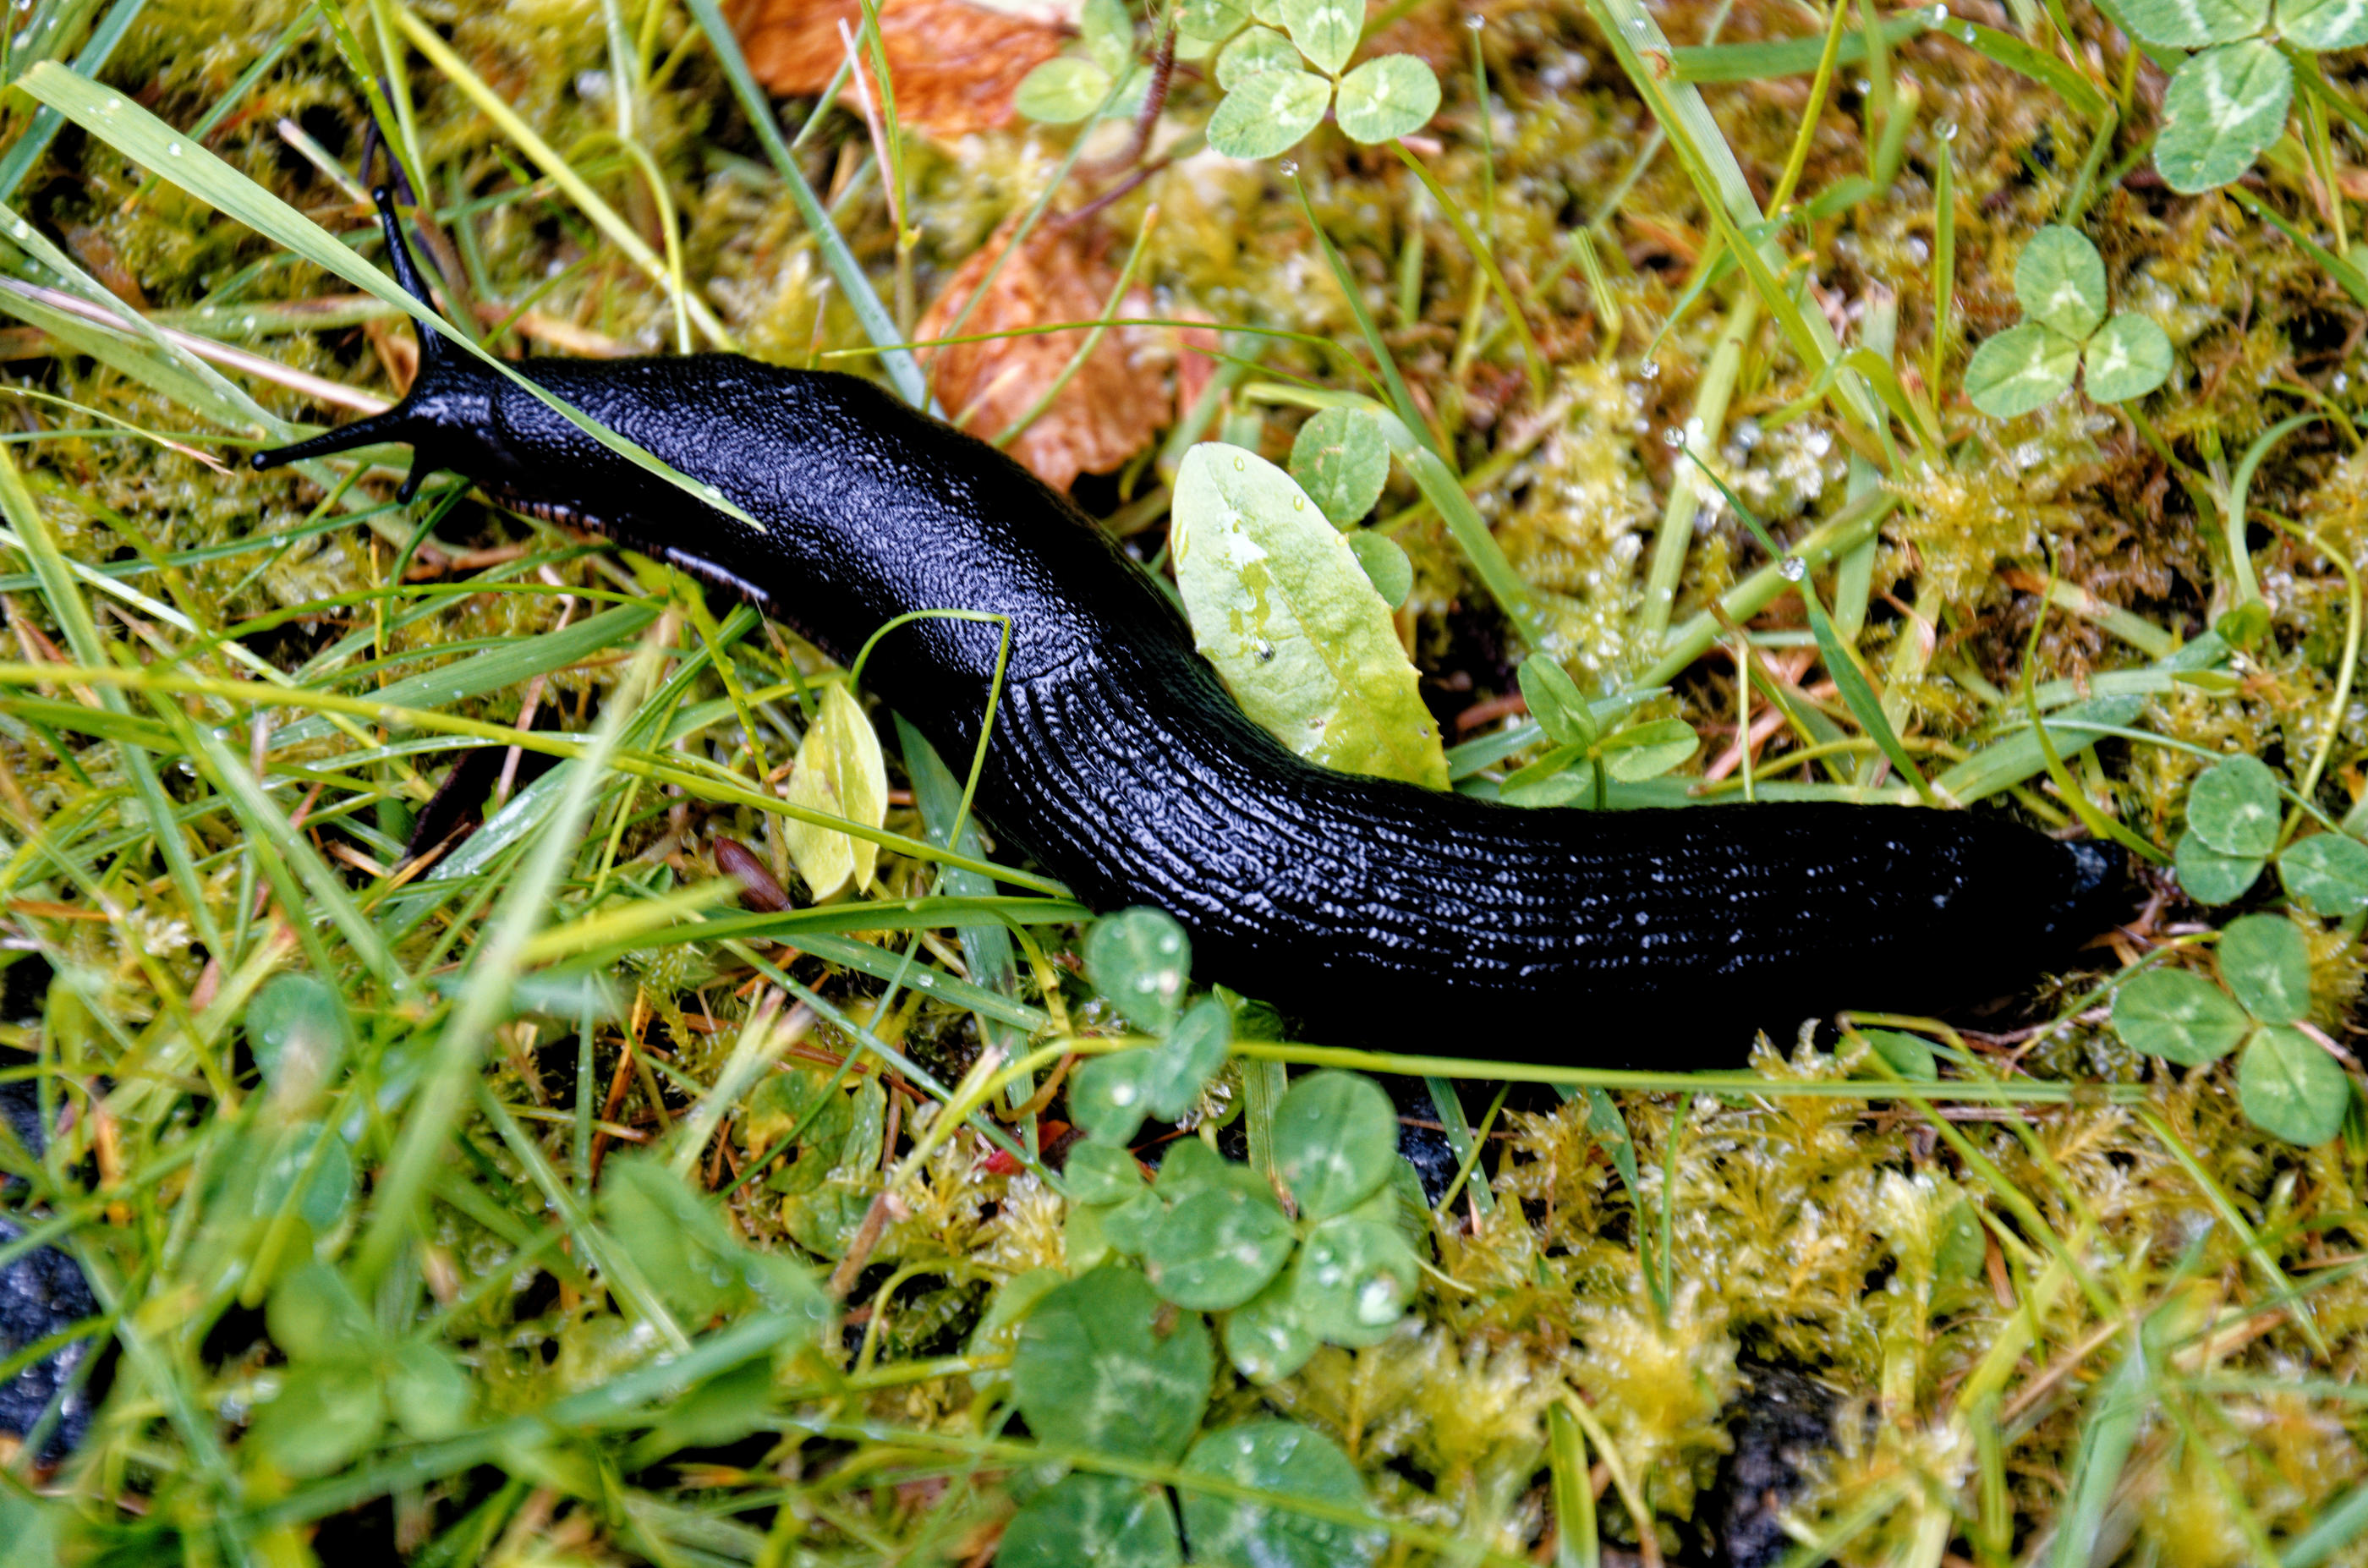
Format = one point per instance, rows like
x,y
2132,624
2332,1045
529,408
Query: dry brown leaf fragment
x,y
1110,409
954,65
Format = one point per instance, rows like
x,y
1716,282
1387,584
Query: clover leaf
x,y
2289,1084
1140,958
1066,89
1094,1370
2227,103
2327,871
1277,1457
1213,1235
1101,1519
2060,280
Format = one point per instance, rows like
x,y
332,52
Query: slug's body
x,y
1375,909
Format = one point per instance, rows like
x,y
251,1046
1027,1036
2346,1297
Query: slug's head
x,y
2094,892
446,415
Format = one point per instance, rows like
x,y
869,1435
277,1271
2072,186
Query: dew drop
x,y
1970,34
1865,86
1791,569
1650,369
1298,502
1940,15
1673,437
1240,465
1947,130
1288,168
172,149
1474,20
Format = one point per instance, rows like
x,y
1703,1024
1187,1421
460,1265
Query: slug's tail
x,y
420,417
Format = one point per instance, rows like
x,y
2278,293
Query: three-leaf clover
x,y
2289,1084
2228,101
1098,1369
2232,827
1140,959
1272,99
2060,280
1215,1236
346,1378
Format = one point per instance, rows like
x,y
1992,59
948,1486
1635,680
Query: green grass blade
x,y
494,963
1768,60
30,148
2106,1440
141,136
2079,95
848,273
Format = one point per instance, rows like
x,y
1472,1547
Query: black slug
x,y
1376,912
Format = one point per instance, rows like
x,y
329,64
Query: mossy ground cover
x,y
536,1205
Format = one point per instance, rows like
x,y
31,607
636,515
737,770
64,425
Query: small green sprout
x,y
1583,756
2227,102
2061,282
2289,1084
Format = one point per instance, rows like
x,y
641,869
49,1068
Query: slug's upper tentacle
x,y
1374,909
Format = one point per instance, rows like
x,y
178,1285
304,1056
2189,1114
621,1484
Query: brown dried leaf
x,y
954,65
1110,407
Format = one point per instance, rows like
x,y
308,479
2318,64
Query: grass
x,y
2083,1310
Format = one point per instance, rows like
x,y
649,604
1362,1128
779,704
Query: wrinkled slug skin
x,y
1372,912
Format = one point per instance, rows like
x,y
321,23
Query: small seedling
x,y
1573,773
2289,1084
2060,280
2227,102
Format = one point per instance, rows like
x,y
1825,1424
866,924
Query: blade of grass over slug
x,y
861,298
496,962
141,136
30,148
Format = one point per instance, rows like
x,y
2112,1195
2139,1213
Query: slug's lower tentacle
x,y
1376,910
